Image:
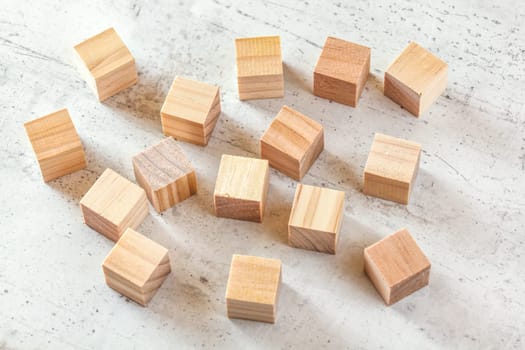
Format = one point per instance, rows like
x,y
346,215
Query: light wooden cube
x,y
396,266
190,111
316,218
292,143
136,267
259,67
165,174
114,204
342,71
241,188
56,144
391,168
107,63
253,288
416,79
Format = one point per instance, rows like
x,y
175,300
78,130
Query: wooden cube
x,y
190,111
165,174
136,267
292,143
416,79
241,188
56,144
107,64
259,67
391,168
253,288
114,204
316,218
342,71
396,266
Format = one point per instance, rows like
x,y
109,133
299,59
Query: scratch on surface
x,y
451,167
26,51
247,15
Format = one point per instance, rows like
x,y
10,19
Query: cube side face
x,y
376,277
434,90
234,208
336,90
409,286
381,188
126,290
116,81
312,153
99,223
402,95
175,192
183,130
319,241
250,311
260,87
400,264
280,160
63,164
253,287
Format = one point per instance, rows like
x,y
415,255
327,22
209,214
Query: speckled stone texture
x,y
466,210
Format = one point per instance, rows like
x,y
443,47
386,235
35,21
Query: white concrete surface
x,y
466,211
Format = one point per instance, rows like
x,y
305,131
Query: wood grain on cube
x,y
107,63
259,67
190,111
165,174
114,204
416,79
292,143
315,220
136,266
56,144
253,288
396,266
391,168
342,71
241,188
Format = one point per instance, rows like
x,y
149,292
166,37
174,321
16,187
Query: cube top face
x,y
418,69
254,280
191,100
343,60
135,258
397,258
104,53
393,160
174,164
113,197
242,178
293,133
259,56
52,135
317,208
